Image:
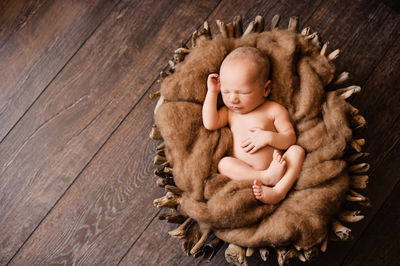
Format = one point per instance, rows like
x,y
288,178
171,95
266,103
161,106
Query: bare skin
x,y
294,158
261,129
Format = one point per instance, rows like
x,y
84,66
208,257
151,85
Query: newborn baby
x,y
261,128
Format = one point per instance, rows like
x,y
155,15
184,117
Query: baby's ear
x,y
267,88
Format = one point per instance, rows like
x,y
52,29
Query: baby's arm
x,y
282,139
285,135
213,118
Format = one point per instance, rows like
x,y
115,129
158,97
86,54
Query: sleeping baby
x,y
261,128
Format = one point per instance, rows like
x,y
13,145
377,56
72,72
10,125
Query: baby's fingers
x,y
248,148
214,76
253,150
245,142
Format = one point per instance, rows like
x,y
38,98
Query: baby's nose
x,y
234,98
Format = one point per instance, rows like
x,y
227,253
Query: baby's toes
x,y
257,183
275,155
256,189
257,193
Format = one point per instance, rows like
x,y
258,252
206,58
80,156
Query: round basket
x,y
212,209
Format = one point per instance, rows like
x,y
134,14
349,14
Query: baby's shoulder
x,y
271,106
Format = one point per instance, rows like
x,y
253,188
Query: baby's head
x,y
244,79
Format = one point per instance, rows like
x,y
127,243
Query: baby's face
x,y
241,88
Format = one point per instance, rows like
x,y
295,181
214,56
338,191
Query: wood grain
x,y
31,57
75,116
14,15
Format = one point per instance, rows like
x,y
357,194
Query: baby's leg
x,y
294,158
238,170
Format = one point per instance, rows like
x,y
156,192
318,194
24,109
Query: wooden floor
x,y
76,173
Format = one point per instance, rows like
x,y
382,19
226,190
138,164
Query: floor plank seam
x,y
88,125
139,236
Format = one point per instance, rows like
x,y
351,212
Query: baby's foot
x,y
275,171
265,194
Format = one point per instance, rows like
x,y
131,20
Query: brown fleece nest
x,y
207,202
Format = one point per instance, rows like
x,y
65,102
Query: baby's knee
x,y
297,150
224,164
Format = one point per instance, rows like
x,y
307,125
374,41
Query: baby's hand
x,y
257,140
213,83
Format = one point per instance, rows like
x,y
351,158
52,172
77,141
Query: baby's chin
x,y
239,110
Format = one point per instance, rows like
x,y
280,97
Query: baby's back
x,y
240,125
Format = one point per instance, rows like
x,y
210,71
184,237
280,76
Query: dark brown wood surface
x,y
35,53
14,15
76,172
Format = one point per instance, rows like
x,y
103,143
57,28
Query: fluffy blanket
x,y
229,208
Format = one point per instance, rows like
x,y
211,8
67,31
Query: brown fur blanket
x,y
229,208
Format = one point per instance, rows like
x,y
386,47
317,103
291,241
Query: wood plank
x,y
68,125
15,14
385,24
380,243
33,56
